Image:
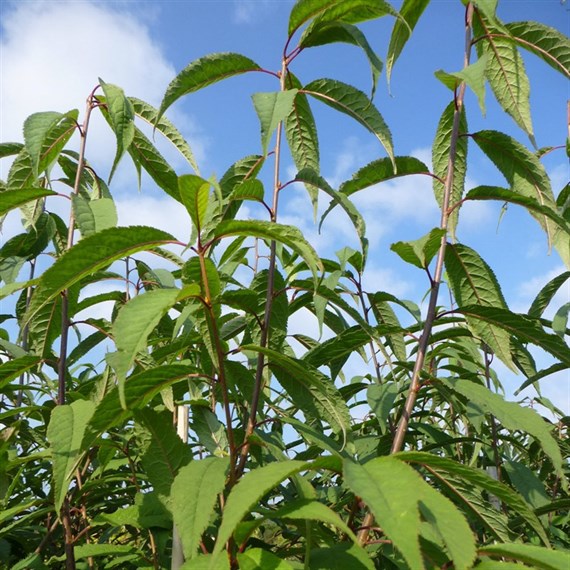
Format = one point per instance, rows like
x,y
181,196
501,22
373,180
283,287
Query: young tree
x,y
192,429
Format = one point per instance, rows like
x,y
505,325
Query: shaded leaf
x,y
65,433
149,114
512,416
351,101
420,252
410,13
440,157
535,555
194,495
10,199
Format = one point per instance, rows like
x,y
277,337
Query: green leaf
x,y
250,490
206,562
165,452
203,72
527,176
45,134
382,170
395,494
10,199
349,100
194,193
12,369
535,555
350,11
272,108
135,321
511,416
260,559
308,388
440,158
10,149
323,33
448,471
341,556
140,389
121,115
310,178
410,13
560,320
474,283
310,509
88,256
381,398
531,204
145,155
65,433
420,252
301,130
289,236
547,43
210,431
474,77
149,114
249,189
92,216
523,327
194,495
505,71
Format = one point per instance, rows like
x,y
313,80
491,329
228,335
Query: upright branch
x,y
62,363
258,384
415,385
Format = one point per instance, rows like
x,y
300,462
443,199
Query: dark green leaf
x,y
381,170
351,101
440,157
410,13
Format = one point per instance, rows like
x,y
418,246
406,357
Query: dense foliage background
x,y
192,428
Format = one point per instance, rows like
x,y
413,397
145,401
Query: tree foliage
x,y
192,429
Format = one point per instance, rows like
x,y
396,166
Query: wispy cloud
x,y
247,11
52,54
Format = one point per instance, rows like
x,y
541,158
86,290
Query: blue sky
x,y
52,53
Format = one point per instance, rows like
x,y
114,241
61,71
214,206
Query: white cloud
x,y
245,11
52,54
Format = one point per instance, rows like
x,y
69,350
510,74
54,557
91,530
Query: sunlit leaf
x,y
420,252
135,321
203,72
45,134
530,554
505,71
474,77
272,108
289,236
544,41
121,115
91,254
